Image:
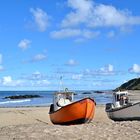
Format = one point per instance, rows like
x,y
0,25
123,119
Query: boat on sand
x,y
121,109
64,111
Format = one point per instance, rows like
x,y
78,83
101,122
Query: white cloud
x,y
36,73
41,18
36,76
36,58
94,15
77,76
39,57
135,69
80,14
37,79
6,80
89,34
103,71
24,44
108,68
72,62
88,16
66,33
43,83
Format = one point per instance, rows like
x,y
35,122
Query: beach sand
x,y
33,123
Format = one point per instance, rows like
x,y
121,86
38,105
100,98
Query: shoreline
x,y
23,106
36,106
45,100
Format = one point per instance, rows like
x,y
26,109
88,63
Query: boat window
x,y
117,98
122,95
124,99
67,96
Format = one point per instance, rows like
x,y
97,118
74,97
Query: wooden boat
x,y
67,113
121,109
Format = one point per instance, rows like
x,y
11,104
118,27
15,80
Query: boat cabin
x,y
62,99
120,98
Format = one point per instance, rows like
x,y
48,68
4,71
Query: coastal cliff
x,y
133,84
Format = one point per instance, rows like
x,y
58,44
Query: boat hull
x,y
129,112
79,112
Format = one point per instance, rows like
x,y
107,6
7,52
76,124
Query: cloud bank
x,y
94,15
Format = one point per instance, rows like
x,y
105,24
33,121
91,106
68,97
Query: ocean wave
x,y
17,101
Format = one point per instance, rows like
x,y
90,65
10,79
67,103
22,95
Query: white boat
x,y
121,109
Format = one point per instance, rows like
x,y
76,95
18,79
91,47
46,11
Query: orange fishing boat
x,y
66,112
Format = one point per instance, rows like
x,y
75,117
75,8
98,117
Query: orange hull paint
x,y
81,111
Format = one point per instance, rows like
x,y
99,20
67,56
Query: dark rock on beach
x,y
97,91
87,92
22,96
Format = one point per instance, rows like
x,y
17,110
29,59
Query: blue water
x,y
47,98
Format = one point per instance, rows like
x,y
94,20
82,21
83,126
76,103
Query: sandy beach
x,y
29,123
79,57
33,123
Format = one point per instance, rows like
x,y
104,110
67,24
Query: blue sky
x,y
91,44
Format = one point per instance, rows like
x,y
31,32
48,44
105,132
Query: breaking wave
x,y
17,101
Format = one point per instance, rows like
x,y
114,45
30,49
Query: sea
x,y
46,98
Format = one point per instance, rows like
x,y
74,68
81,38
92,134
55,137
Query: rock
x,y
97,91
22,96
87,92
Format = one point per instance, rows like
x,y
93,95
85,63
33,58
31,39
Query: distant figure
x,y
121,100
124,100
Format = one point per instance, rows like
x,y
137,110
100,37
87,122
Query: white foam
x,y
17,101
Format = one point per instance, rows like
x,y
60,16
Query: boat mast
x,y
60,83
